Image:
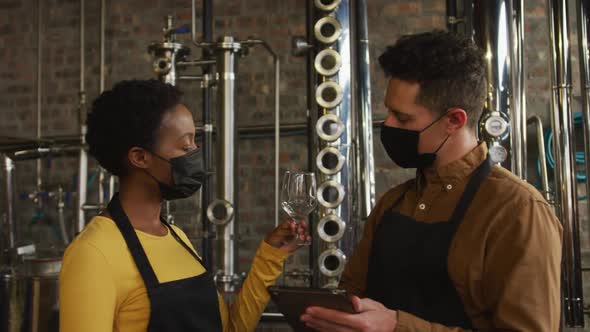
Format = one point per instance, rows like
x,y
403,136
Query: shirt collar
x,y
458,170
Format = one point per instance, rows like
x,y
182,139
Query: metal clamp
x,y
332,100
332,284
167,49
299,46
208,128
332,262
331,228
327,23
233,280
329,203
227,208
328,62
330,160
298,274
326,5
325,125
208,81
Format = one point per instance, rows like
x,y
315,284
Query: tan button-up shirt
x,y
504,259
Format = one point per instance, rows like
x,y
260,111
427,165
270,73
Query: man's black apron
x,y
408,264
181,306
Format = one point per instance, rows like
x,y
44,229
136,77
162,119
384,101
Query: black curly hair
x,y
450,70
126,116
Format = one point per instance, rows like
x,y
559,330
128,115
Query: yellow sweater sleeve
x,y
87,292
244,313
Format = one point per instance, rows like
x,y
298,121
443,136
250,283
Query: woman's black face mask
x,y
187,175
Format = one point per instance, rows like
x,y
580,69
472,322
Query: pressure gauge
x,y
496,126
498,154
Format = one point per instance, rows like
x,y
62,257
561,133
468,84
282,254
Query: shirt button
x,y
422,206
449,186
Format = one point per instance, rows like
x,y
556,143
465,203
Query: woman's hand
x,y
287,235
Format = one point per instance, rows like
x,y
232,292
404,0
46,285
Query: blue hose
x,y
580,177
182,29
549,150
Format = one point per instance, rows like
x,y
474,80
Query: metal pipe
x,y
59,144
195,63
452,15
102,44
536,120
35,152
82,93
82,184
11,145
227,157
83,156
277,135
277,124
168,212
288,127
493,35
168,54
468,18
206,195
112,180
102,172
341,39
39,85
312,142
517,110
564,154
351,152
61,217
83,167
101,195
583,18
90,207
39,153
270,129
364,148
295,129
190,77
193,21
10,230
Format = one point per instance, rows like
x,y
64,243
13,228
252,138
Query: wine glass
x,y
298,195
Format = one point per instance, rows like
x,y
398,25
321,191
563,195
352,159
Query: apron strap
x,y
479,176
137,252
399,200
179,240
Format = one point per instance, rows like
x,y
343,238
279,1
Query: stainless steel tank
x,y
29,298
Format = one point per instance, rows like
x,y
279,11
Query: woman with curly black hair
x,y
130,271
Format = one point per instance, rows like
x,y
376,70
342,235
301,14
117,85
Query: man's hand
x,y
371,316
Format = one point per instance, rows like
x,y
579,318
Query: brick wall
x,y
133,24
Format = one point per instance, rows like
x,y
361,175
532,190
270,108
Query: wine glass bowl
x,y
298,194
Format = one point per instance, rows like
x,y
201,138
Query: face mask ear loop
x,y
435,121
441,144
153,177
159,157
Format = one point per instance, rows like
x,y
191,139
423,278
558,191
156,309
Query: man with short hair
x,y
466,245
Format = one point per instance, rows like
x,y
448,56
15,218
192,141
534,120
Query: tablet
x,y
292,302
